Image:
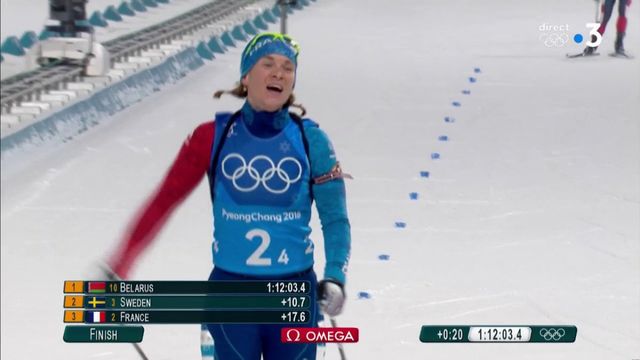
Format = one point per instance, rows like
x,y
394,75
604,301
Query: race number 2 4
x,y
256,258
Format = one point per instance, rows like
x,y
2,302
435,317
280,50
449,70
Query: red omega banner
x,y
319,335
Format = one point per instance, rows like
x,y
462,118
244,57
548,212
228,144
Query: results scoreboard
x,y
108,311
114,311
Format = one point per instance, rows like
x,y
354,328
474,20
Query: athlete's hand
x,y
331,296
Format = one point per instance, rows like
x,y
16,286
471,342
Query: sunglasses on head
x,y
276,36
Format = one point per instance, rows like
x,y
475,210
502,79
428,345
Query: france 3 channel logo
x,y
557,36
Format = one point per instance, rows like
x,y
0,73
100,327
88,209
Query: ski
x,y
582,54
621,55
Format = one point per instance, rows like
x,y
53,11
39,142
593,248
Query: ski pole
x,y
114,277
340,347
140,351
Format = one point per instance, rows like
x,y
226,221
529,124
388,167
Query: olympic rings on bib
x,y
235,174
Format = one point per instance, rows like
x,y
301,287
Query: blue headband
x,y
265,44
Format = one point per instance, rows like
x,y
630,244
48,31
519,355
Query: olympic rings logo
x,y
554,39
552,334
250,170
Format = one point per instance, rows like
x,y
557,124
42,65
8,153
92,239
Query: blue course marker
x,y
400,224
383,257
435,156
476,70
472,79
424,174
413,196
466,92
364,295
449,119
443,138
150,3
456,104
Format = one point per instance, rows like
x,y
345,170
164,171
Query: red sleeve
x,y
183,176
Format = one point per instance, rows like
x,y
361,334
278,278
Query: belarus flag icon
x,y
96,316
97,287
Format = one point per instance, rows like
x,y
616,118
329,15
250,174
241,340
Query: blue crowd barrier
x,y
259,23
203,50
125,9
150,3
268,16
138,6
28,39
45,34
84,114
98,20
275,10
248,28
11,46
238,33
227,39
215,45
110,13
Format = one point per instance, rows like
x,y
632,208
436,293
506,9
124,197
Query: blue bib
x,y
262,203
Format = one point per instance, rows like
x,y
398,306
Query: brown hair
x,y
241,92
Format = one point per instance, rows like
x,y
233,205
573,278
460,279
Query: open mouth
x,y
275,88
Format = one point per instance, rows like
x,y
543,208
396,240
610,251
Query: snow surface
x,y
531,215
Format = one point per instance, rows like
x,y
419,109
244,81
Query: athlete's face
x,y
270,82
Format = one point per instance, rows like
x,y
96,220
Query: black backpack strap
x,y
298,120
211,172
